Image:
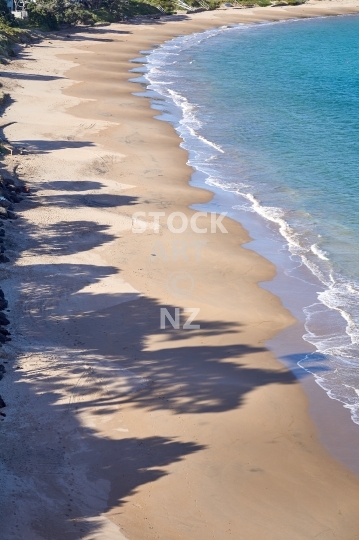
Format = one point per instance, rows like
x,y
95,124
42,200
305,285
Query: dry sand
x,y
115,428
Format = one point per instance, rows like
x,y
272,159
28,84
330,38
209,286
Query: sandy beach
x,y
117,428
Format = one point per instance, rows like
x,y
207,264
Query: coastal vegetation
x,y
10,33
54,14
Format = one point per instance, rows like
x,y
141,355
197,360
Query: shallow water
x,y
270,112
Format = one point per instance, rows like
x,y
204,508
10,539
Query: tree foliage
x,y
6,17
51,14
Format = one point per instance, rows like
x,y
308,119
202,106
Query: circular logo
x,y
180,284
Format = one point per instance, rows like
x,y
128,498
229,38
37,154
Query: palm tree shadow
x,y
114,471
59,239
114,366
184,376
114,354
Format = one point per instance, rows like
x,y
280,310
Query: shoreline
x,y
288,345
261,230
214,432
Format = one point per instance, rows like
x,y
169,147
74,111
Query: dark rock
x,y
4,202
11,215
2,403
9,182
4,331
2,371
3,305
4,321
3,339
3,258
15,198
2,295
2,232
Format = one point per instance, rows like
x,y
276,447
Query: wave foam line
x,y
339,350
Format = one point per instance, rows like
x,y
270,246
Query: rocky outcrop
x,y
11,192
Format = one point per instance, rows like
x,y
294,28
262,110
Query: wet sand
x,y
115,427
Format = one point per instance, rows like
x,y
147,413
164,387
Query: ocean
x,y
270,113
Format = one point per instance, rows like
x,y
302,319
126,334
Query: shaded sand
x,y
116,428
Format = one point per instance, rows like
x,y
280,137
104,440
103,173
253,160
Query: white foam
x,y
338,349
319,252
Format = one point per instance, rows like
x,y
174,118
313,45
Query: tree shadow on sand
x,y
63,240
76,185
113,367
183,377
91,354
44,147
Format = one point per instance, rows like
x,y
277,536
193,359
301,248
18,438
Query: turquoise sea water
x,y
271,112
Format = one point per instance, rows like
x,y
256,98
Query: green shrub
x,y
49,14
42,16
169,6
76,14
214,4
6,16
